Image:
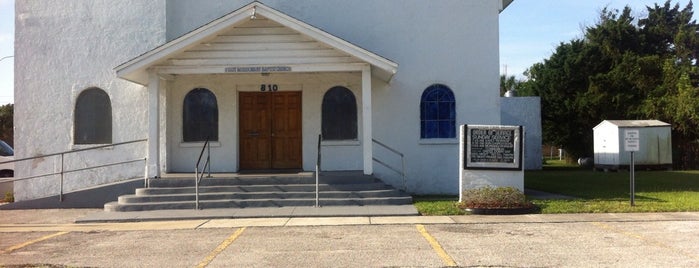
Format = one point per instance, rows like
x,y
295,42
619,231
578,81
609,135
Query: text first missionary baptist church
x,y
260,80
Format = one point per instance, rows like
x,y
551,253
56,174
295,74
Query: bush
x,y
9,197
494,198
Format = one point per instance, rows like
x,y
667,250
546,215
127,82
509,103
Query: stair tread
x,y
261,200
255,192
265,192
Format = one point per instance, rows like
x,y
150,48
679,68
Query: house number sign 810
x,y
269,87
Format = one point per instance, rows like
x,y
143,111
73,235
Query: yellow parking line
x,y
448,261
16,247
221,248
643,238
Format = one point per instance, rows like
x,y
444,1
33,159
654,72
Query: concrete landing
x,y
262,212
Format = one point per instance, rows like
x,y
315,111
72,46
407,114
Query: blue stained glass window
x,y
200,116
437,113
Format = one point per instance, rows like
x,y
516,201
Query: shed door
x,y
270,130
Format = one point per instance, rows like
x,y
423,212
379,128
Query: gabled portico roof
x,y
255,38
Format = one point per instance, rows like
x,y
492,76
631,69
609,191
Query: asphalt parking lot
x,y
585,240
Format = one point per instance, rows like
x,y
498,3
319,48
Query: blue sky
x,y
529,31
7,33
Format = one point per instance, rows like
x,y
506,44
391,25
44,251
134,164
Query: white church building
x,y
259,80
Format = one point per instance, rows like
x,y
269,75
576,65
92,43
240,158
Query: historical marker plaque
x,y
492,147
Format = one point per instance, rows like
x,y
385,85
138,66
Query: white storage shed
x,y
655,144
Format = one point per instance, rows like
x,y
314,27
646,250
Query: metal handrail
x,y
207,166
320,138
63,171
401,172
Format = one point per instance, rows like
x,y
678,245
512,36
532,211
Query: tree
x,y
6,129
623,68
507,83
510,82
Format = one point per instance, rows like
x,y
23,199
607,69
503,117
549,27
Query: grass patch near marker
x,y
601,192
437,205
594,192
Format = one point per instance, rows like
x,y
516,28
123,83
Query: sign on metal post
x,y
631,140
632,143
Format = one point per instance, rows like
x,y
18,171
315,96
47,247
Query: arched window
x,y
339,114
437,113
199,116
93,117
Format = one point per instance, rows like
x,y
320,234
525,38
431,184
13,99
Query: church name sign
x,y
258,69
492,147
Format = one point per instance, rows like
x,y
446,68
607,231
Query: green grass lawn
x,y
595,192
437,205
610,192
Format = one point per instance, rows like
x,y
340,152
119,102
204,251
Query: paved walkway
x,y
274,212
66,220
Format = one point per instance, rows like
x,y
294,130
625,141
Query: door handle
x,y
253,134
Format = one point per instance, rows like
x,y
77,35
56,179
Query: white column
x,y
153,125
367,136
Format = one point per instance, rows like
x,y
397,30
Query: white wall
x,y
345,155
525,111
62,48
452,42
606,144
655,147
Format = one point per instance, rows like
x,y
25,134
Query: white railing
x,y
320,138
63,170
400,171
205,168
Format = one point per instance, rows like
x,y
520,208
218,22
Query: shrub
x,y
494,198
9,197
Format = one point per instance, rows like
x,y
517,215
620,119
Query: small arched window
x,y
93,117
437,113
339,114
199,116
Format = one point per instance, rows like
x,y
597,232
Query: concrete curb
x,y
349,220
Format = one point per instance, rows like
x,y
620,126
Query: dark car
x,y
6,154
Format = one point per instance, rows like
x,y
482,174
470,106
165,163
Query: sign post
x,y
632,144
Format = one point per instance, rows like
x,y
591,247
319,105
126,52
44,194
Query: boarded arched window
x,y
93,117
437,113
200,116
339,114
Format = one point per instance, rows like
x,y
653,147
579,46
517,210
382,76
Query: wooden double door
x,y
270,130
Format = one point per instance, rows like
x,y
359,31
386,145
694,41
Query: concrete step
x,y
237,203
129,199
262,188
263,180
276,190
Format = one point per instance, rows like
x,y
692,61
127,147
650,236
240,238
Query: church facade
x,y
262,82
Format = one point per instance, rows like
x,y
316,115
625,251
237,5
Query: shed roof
x,y
635,123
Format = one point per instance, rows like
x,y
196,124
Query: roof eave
x,y
505,4
136,69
